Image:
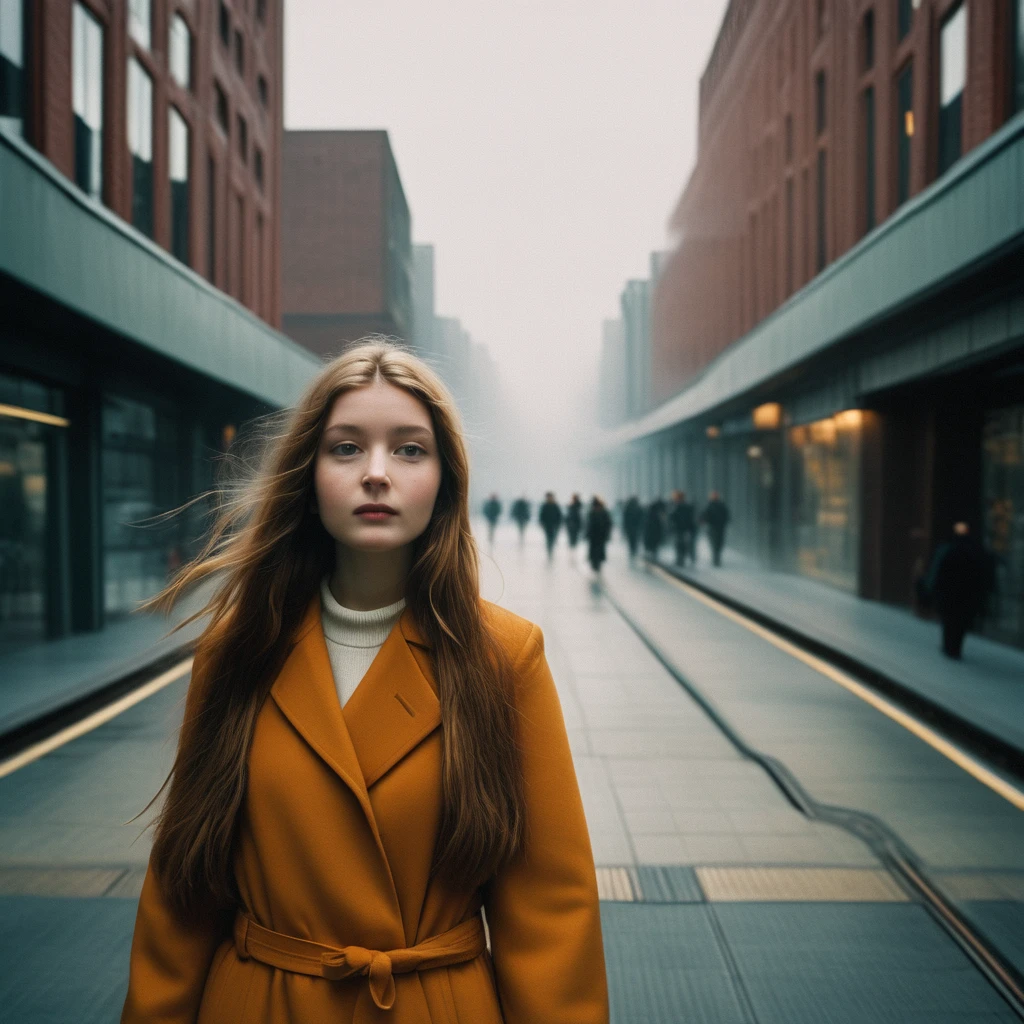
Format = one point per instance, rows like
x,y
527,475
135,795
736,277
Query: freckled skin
x,y
376,464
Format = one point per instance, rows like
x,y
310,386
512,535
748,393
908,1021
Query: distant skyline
x,y
542,146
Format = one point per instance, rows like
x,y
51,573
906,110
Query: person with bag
x,y
372,756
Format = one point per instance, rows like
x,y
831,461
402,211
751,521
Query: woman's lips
x,y
376,517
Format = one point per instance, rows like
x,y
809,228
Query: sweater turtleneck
x,y
353,637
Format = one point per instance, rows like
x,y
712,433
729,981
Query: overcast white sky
x,y
542,145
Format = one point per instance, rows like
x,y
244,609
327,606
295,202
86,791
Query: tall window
x,y
243,139
904,131
789,138
820,102
13,84
867,37
220,102
140,144
952,75
140,20
240,249
822,252
869,159
1019,51
211,219
181,52
790,214
904,17
179,162
87,99
224,23
258,270
239,52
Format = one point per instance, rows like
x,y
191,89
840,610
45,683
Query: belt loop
x,y
241,935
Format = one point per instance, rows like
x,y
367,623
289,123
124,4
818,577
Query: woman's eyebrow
x,y
351,428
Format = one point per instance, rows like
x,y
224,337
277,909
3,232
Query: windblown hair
x,y
268,552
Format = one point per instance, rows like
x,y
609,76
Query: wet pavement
x,y
721,901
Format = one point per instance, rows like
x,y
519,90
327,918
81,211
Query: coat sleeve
x,y
170,958
542,909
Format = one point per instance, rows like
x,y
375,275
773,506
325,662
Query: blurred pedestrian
x,y
682,518
492,512
599,529
632,523
574,520
960,580
550,517
716,518
520,512
654,528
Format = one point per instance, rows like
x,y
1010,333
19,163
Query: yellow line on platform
x,y
959,757
93,721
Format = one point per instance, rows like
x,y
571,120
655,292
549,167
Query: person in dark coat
x,y
599,529
682,519
550,517
632,523
574,520
716,518
654,528
492,512
961,577
520,512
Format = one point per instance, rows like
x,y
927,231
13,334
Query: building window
x,y
240,249
790,228
261,10
239,52
258,167
904,16
140,19
867,38
1019,51
243,139
952,75
822,17
224,24
179,167
822,208
789,138
211,219
904,131
220,102
87,100
140,144
263,90
181,52
13,83
869,159
258,270
820,100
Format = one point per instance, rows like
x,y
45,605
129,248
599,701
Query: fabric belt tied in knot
x,y
465,941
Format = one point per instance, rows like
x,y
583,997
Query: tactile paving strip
x,y
799,885
617,885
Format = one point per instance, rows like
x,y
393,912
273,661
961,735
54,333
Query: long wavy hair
x,y
268,552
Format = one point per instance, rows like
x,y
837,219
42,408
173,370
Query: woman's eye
x,y
412,449
346,444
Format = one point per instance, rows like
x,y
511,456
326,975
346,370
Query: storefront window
x,y
1003,462
140,474
825,498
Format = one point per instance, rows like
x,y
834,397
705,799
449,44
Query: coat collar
x,y
393,709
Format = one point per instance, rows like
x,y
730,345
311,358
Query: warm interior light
x,y
18,413
850,419
768,416
908,123
754,452
712,431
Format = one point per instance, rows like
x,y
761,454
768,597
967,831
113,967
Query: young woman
x,y
370,752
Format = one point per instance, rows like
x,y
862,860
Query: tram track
x,y
891,851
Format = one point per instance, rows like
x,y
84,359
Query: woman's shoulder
x,y
510,630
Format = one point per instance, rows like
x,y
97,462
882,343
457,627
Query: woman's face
x,y
377,448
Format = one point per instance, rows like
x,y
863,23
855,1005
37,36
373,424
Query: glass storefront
x,y
1003,481
140,480
824,499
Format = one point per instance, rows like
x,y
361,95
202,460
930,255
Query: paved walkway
x,y
986,688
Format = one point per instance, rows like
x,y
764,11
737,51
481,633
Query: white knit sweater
x,y
353,638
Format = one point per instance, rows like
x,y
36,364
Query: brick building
x,y
346,239
838,338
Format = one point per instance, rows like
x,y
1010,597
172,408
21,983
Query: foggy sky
x,y
542,145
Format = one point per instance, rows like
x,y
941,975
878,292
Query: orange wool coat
x,y
335,844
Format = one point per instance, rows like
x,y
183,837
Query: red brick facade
x,y
748,220
346,247
245,214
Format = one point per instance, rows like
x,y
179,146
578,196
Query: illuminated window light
x,y
712,431
850,419
768,416
16,412
908,123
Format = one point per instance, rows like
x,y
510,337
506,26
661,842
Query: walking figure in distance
x,y
492,513
716,518
683,520
550,517
574,521
654,528
520,512
632,524
599,529
370,751
960,580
